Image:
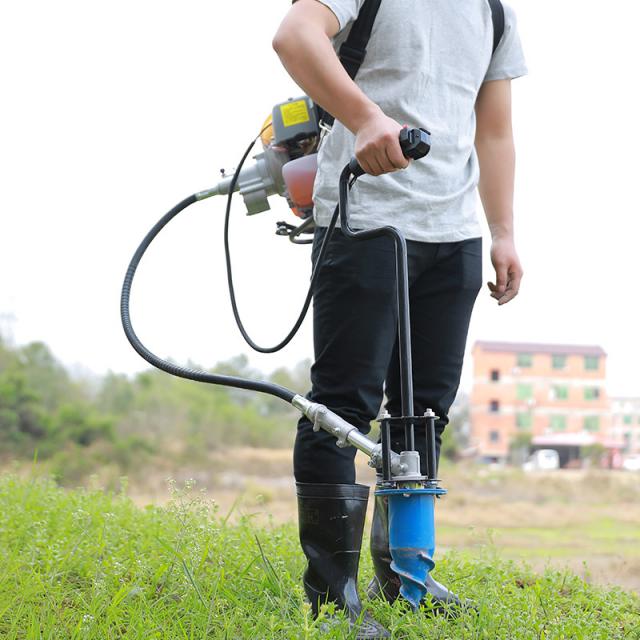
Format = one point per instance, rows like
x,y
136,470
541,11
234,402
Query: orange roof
x,y
534,347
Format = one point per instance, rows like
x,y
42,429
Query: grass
x,y
88,565
606,537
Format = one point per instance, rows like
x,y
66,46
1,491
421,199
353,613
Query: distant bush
x,y
119,420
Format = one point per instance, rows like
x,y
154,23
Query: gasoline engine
x,y
286,166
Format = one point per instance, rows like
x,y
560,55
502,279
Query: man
x,y
429,63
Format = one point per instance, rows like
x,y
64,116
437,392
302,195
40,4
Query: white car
x,y
632,463
542,460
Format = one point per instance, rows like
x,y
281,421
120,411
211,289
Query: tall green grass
x,y
88,565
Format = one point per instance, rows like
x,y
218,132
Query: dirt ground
x,y
586,520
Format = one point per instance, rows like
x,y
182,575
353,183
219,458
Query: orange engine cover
x,y
299,176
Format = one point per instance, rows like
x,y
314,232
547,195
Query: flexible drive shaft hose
x,y
195,374
175,370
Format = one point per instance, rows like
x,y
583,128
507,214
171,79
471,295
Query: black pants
x,y
355,340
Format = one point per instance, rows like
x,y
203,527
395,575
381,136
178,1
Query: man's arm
x,y
496,153
303,43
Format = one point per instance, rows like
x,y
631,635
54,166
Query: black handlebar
x,y
415,144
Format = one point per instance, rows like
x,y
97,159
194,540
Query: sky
x,y
115,111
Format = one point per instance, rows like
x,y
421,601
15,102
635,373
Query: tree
x,y
21,415
520,448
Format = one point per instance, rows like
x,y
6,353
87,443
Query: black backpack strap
x,y
497,16
354,49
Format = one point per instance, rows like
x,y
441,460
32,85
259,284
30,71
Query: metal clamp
x,y
346,434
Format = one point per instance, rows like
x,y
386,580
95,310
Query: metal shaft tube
x,y
402,277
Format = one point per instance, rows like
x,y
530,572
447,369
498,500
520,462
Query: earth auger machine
x,y
287,167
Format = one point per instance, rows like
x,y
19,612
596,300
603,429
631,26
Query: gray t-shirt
x,y
425,64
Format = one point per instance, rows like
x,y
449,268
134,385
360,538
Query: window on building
x,y
559,362
592,423
524,391
525,360
591,393
627,419
494,406
495,375
591,363
494,436
558,423
524,420
560,392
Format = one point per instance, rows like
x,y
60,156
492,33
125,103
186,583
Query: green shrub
x,y
123,421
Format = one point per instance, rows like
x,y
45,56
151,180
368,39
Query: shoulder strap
x,y
354,49
497,15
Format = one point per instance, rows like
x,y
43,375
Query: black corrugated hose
x,y
195,374
164,365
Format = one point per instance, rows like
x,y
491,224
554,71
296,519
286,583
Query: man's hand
x,y
508,270
378,148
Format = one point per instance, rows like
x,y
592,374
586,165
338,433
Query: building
x,y
626,422
550,392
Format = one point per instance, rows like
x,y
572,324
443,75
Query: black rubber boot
x,y
331,521
386,583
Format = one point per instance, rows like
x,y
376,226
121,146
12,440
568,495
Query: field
x,y
586,521
86,564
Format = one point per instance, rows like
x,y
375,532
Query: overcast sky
x,y
112,112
